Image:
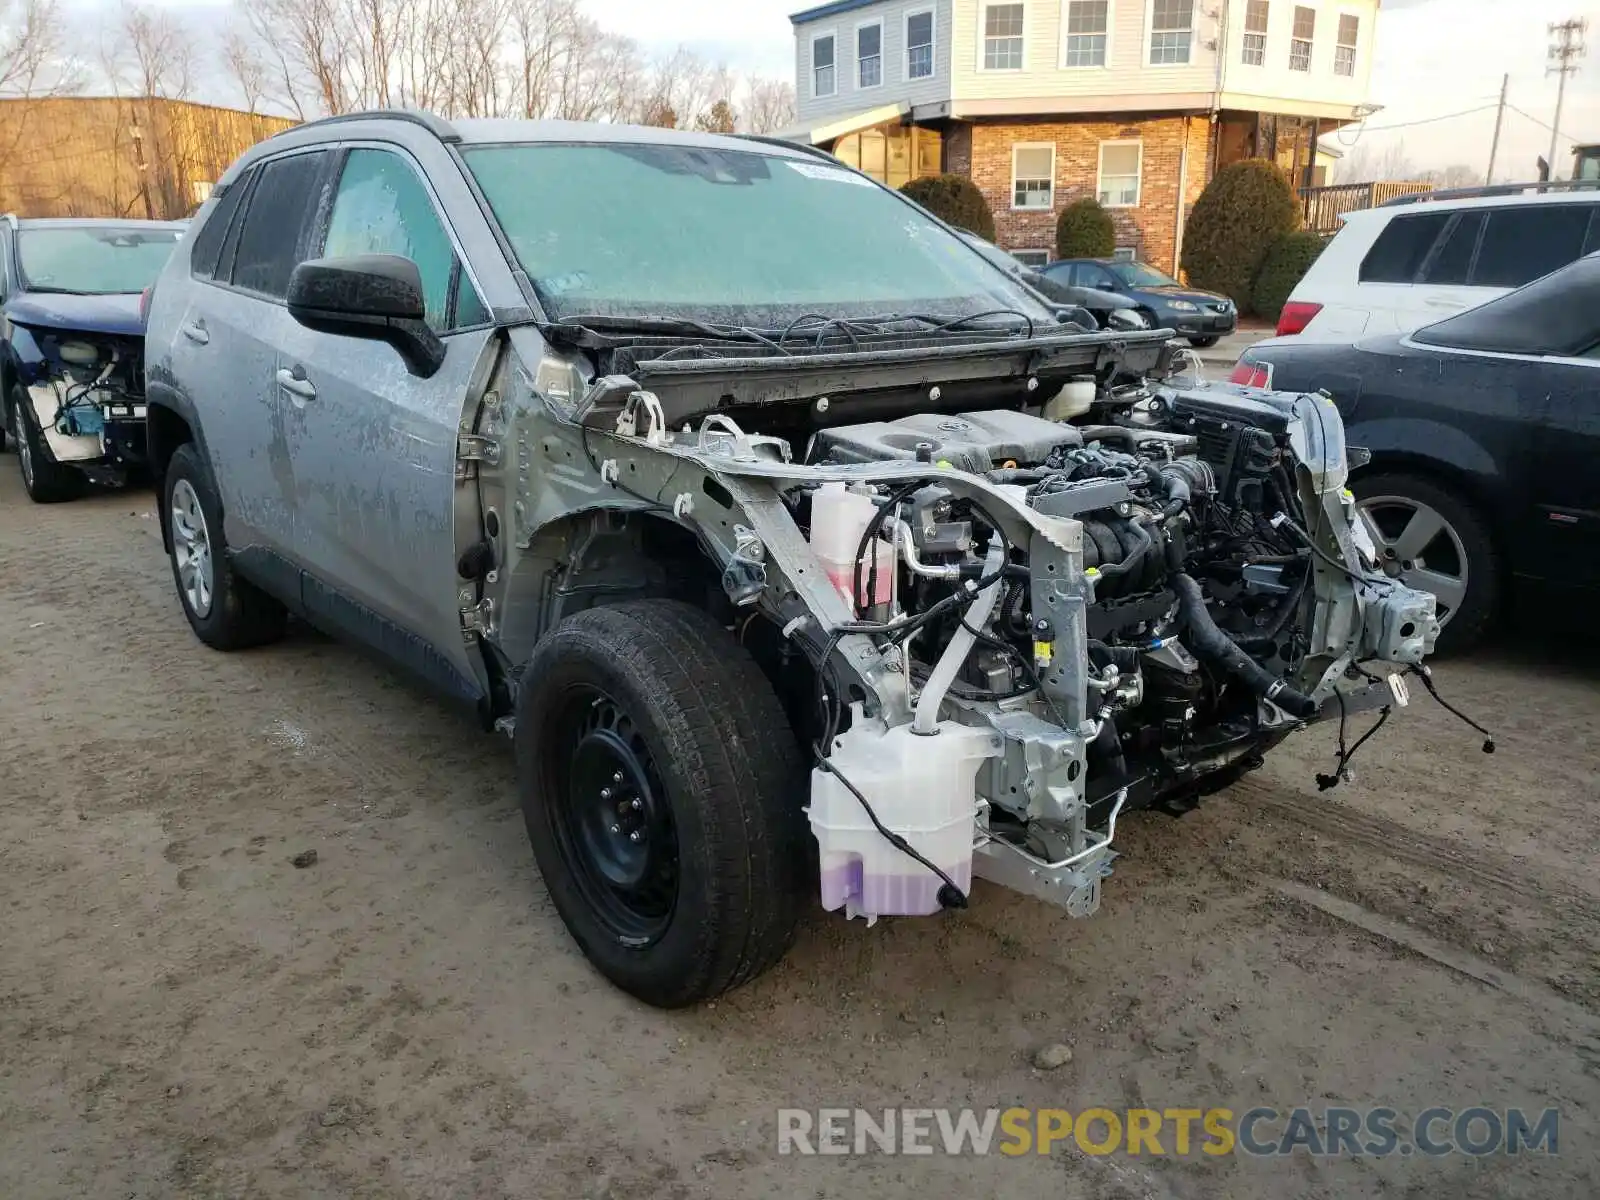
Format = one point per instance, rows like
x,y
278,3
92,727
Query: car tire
x,y
662,788
46,482
1204,343
225,611
1464,542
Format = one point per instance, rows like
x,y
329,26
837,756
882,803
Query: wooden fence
x,y
118,157
1324,206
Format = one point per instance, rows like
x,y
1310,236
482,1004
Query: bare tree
x,y
1395,164
244,65
35,64
768,105
151,54
35,60
1456,175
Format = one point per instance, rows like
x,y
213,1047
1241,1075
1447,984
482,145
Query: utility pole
x,y
1499,119
1565,52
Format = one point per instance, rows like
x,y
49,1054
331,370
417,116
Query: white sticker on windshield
x,y
831,174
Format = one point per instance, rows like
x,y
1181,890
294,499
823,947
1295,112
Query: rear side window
x,y
1521,244
1402,248
275,224
1452,261
207,245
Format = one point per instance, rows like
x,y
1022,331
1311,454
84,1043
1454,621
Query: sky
x,y
1434,58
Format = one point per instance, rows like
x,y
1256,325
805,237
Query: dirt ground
x,y
183,1013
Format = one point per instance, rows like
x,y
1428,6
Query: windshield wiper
x,y
572,330
816,326
45,289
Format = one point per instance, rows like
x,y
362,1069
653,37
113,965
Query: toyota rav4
x,y
796,546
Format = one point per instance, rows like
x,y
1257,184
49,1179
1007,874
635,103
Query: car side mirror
x,y
373,296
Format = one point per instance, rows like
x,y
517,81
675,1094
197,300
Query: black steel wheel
x,y
612,816
662,788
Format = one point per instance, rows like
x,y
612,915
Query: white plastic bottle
x,y
921,787
839,517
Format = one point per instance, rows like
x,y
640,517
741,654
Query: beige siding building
x,y
1137,102
102,156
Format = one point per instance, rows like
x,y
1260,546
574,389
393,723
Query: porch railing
x,y
1323,206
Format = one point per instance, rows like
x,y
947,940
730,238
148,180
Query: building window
x,y
1255,34
1344,54
1033,177
919,45
823,82
1031,258
869,55
1305,30
1124,254
1120,162
1087,24
1171,31
1002,37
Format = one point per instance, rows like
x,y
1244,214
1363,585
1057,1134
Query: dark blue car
x,y
1202,317
72,354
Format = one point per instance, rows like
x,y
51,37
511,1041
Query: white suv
x,y
1409,263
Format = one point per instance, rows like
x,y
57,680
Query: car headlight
x,y
1126,318
1183,306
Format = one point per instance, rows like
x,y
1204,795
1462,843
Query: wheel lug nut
x,y
636,836
616,829
636,805
605,793
616,777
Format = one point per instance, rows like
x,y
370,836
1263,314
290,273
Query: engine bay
x,y
1013,588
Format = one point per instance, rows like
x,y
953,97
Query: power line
x,y
1541,124
1363,129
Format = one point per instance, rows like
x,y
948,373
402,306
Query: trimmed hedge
x,y
954,199
1288,259
1084,230
1245,208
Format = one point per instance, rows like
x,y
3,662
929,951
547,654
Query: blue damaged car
x,y
72,347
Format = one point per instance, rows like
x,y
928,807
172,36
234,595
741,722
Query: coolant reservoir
x,y
922,789
839,517
1073,400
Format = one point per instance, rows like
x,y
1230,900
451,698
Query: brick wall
x,y
1148,228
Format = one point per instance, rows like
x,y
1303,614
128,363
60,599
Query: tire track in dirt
x,y
1482,869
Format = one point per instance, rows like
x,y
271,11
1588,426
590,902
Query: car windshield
x,y
739,237
1140,275
93,261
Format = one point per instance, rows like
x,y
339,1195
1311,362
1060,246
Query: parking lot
x,y
185,1012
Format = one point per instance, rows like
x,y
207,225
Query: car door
x,y
374,447
1566,487
1093,275
225,350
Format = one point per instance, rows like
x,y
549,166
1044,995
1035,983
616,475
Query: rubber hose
x,y
1142,545
1207,641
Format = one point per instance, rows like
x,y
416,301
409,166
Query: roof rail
x,y
1498,189
768,139
436,125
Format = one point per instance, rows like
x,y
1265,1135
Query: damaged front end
x,y
1011,588
85,395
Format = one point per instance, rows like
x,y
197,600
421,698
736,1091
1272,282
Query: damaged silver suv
x,y
797,547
